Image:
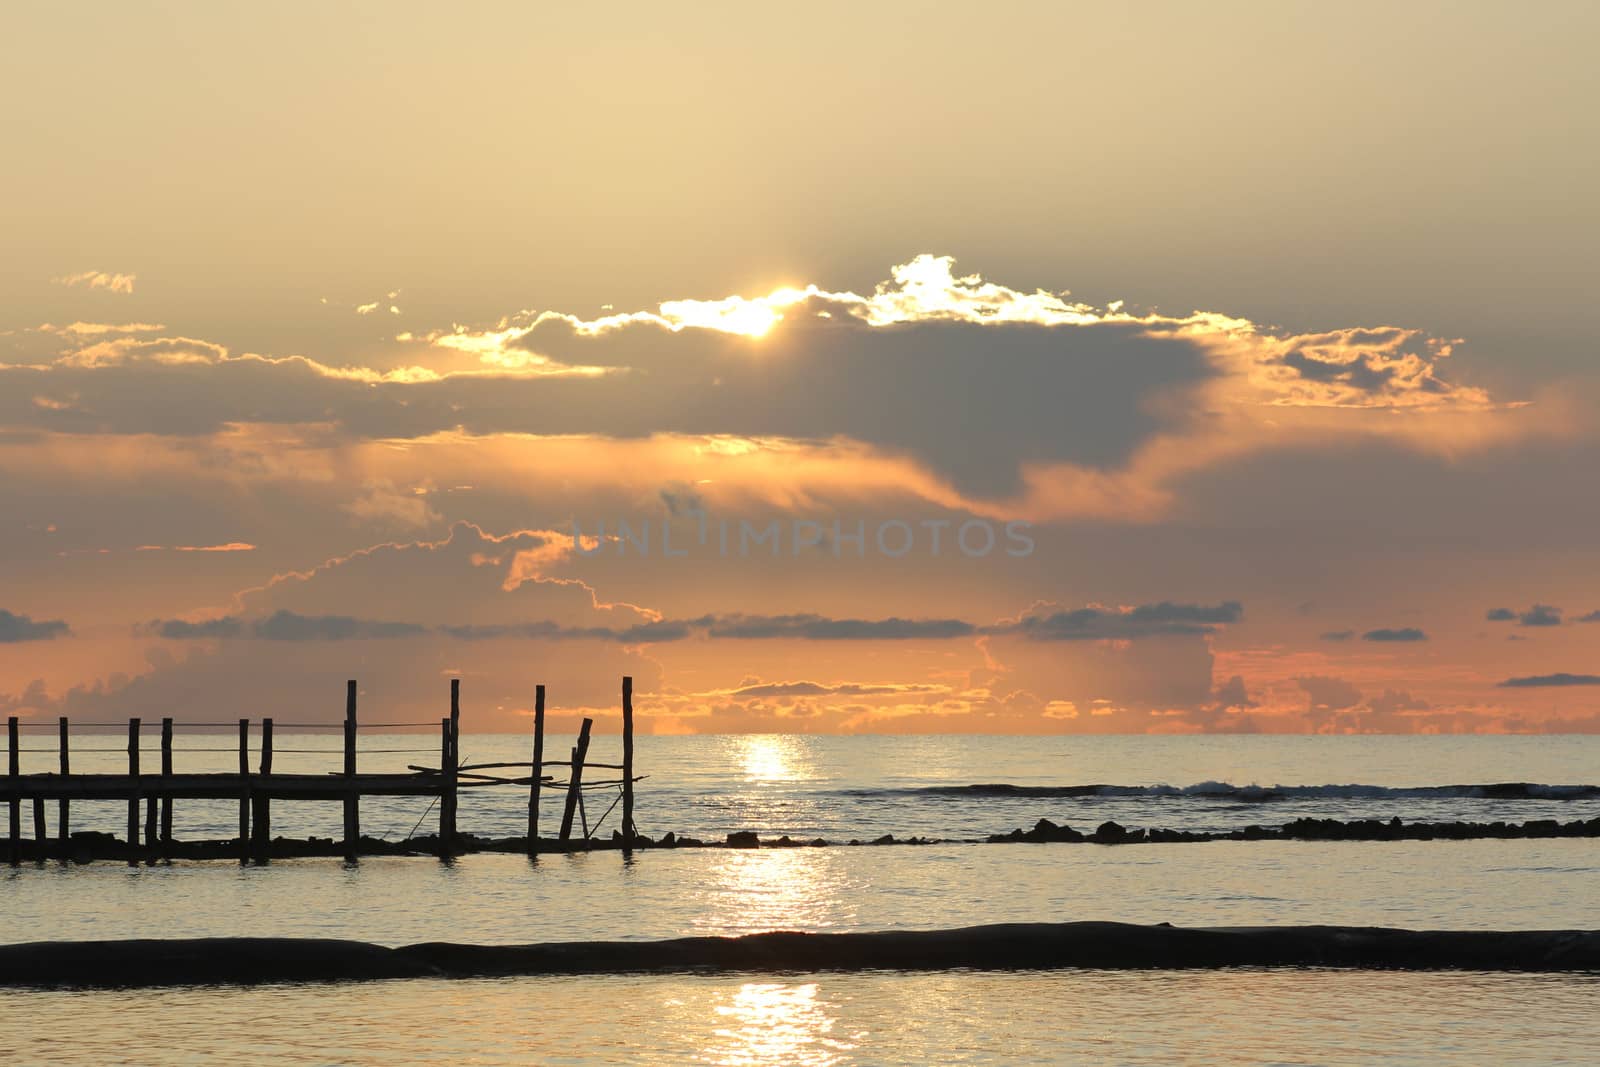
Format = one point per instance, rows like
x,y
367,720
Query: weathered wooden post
x,y
352,802
575,780
39,835
64,806
446,831
14,772
449,765
455,724
244,790
133,795
261,798
39,816
537,778
166,785
150,824
627,761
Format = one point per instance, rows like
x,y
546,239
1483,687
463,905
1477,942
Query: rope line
x,y
335,751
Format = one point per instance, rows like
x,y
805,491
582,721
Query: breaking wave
x,y
1252,794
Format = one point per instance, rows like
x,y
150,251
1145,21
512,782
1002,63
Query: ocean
x,y
955,790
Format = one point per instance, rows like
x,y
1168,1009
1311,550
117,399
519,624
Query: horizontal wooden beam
x,y
219,786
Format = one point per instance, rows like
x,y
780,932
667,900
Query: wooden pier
x,y
153,795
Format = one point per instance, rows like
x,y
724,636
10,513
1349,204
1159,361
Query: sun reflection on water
x,y
771,758
775,1023
745,891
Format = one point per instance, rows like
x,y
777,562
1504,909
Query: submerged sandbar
x,y
1010,946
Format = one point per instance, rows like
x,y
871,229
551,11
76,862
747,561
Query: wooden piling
x,y
261,798
627,762
352,800
64,806
133,798
166,784
14,770
537,778
150,824
449,763
446,831
575,780
244,789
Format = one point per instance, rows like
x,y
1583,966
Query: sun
x,y
747,316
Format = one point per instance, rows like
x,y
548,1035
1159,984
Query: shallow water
x,y
845,787
490,898
1155,1017
860,787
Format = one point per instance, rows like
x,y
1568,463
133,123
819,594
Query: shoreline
x,y
95,846
1011,946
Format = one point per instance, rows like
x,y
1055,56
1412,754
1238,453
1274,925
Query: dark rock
x,y
744,839
1109,833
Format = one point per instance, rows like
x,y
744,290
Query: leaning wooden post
x,y
627,762
537,778
64,806
166,783
575,780
133,794
261,798
244,789
352,803
14,771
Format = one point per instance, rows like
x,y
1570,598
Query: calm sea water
x,y
862,787
1095,1017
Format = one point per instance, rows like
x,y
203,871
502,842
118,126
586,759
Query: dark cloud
x,y
821,628
1085,624
181,630
288,626
1148,620
1223,713
1540,615
284,626
1233,694
15,629
1406,633
804,689
1550,681
1325,694
645,633
1338,635
1391,701
974,402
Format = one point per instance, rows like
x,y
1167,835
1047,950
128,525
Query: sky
x,y
1086,368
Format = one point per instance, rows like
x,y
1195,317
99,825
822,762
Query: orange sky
x,y
1241,366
